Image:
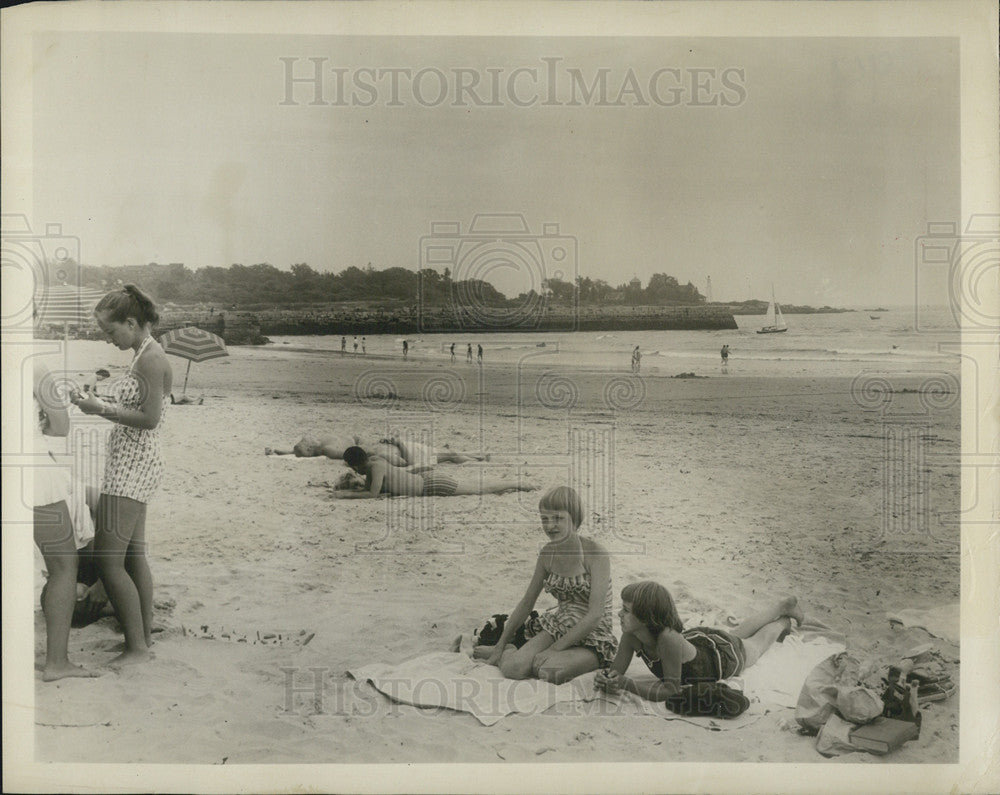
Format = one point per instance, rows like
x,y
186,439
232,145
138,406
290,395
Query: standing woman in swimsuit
x,y
134,463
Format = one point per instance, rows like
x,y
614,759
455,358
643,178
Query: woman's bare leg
x,y
53,531
453,457
116,522
561,666
518,663
476,486
761,630
787,606
763,639
137,566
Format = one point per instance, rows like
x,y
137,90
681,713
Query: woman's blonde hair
x,y
653,605
563,498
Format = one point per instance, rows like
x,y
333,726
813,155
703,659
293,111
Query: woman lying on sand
x,y
652,629
575,636
381,477
394,449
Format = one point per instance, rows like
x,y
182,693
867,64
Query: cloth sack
x,y
820,692
858,705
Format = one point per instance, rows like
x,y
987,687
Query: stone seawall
x,y
239,327
377,320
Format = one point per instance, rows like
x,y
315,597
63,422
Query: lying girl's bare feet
x,y
131,658
65,671
790,608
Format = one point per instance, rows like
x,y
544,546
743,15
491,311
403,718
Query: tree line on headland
x,y
265,286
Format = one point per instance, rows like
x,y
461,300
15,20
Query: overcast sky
x,y
812,163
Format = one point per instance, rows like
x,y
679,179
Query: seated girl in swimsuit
x,y
381,477
652,629
576,636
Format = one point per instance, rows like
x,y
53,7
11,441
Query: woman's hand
x,y
611,682
94,601
89,404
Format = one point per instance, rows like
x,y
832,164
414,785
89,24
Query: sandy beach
x,y
725,489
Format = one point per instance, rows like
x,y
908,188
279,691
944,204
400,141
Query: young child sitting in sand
x,y
576,636
381,477
652,629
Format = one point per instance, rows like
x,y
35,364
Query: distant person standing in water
x,y
479,353
468,353
636,359
343,345
406,348
364,346
355,346
725,355
453,351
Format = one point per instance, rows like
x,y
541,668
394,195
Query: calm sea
x,y
849,343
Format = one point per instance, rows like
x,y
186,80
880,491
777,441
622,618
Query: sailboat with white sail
x,y
775,320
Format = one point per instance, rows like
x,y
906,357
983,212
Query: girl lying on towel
x,y
652,629
576,636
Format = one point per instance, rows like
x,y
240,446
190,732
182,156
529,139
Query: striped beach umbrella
x,y
65,305
193,344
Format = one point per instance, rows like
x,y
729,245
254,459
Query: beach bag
x,y
493,629
708,700
818,697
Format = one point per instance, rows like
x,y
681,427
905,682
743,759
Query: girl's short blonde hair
x,y
563,498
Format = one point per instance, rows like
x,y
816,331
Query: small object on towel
x,y
490,634
708,700
883,735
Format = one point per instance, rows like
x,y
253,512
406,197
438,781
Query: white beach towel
x,y
941,622
453,680
776,679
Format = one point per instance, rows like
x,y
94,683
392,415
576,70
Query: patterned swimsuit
x,y
134,460
573,594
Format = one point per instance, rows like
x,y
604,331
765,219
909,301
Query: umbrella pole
x,y
186,374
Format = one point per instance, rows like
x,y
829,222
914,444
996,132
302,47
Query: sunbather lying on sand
x,y
417,455
382,478
396,450
652,629
310,446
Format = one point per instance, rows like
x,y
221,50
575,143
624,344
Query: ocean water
x,y
900,340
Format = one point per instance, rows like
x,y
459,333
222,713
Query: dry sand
x,y
725,489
